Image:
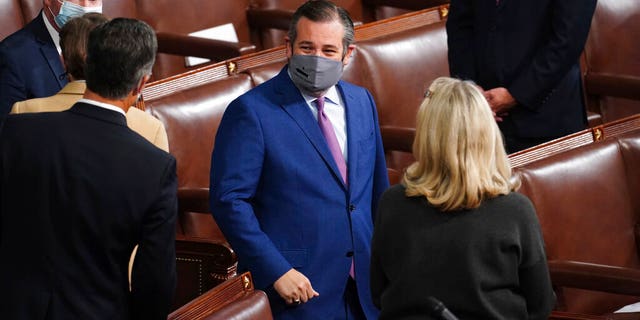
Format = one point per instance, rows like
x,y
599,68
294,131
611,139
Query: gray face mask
x,y
314,74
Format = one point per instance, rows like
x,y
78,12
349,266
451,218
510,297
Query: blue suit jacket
x,y
278,197
30,66
532,48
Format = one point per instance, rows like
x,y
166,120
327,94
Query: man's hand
x,y
500,101
294,287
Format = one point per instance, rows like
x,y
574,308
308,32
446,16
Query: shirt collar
x,y
55,36
103,105
331,95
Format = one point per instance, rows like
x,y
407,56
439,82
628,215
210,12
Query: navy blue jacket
x,y
530,47
30,66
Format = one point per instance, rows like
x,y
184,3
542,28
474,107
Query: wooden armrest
x,y
595,277
616,85
269,18
217,50
397,138
193,200
235,298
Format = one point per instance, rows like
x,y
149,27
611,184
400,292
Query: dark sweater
x,y
485,263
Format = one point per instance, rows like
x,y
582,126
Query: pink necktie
x,y
334,147
330,136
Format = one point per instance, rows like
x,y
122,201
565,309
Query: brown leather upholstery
x,y
191,118
587,202
611,56
236,298
30,8
187,16
398,69
10,17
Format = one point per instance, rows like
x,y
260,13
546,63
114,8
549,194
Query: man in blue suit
x,y
525,55
296,206
30,63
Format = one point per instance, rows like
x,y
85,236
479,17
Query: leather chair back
x,y
236,298
11,18
397,69
586,201
612,48
30,8
192,117
187,16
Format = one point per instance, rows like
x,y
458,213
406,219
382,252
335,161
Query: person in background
x,y
30,64
73,42
525,55
79,189
296,173
454,228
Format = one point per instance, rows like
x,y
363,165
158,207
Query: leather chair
x,y
587,201
173,21
398,69
191,118
610,59
236,298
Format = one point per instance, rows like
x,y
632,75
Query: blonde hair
x,y
460,157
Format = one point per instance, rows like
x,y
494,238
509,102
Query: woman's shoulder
x,y
516,205
394,193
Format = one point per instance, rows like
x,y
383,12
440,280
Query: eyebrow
x,y
322,46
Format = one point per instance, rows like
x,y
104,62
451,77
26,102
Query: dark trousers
x,y
513,142
352,308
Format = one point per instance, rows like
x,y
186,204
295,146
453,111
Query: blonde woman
x,y
455,229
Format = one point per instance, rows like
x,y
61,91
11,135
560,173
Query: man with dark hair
x,y
79,190
525,55
30,64
296,174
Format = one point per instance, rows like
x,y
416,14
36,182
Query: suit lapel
x,y
49,51
296,107
351,104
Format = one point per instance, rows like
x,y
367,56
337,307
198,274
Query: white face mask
x,y
70,10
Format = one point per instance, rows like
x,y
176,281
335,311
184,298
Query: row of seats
x,y
259,24
590,222
191,104
588,202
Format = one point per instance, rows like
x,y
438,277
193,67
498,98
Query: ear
x,y
142,84
348,55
